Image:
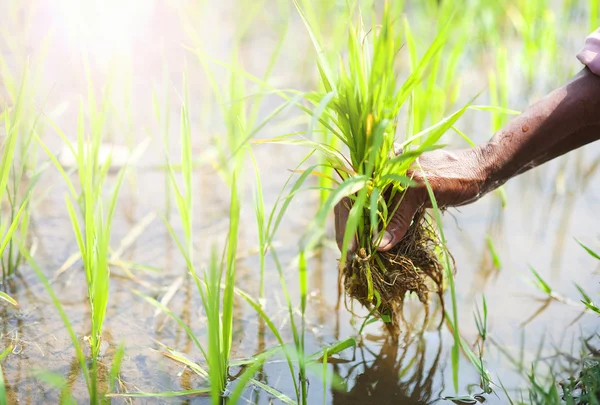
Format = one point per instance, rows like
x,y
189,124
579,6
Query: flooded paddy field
x,y
156,69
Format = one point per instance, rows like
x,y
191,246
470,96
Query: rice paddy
x,y
168,177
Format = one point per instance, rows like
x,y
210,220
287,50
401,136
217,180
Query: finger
x,y
341,212
405,210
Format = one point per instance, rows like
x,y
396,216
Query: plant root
x,y
412,266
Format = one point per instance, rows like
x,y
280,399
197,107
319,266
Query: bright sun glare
x,y
105,27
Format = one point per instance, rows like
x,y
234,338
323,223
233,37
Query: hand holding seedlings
x,y
456,178
564,120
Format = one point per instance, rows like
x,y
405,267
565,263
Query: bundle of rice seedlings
x,y
361,106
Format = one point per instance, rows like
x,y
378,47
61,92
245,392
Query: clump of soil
x,y
411,266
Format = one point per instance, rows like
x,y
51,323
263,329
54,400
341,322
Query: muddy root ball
x,y
411,266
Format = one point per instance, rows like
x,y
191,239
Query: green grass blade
x,y
587,249
177,319
116,367
258,308
61,312
324,69
164,394
7,298
274,393
13,226
540,283
417,74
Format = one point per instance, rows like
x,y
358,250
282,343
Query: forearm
x,y
564,120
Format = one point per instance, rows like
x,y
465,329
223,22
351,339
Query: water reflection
x,y
398,374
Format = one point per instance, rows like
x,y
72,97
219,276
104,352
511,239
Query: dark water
x,y
547,208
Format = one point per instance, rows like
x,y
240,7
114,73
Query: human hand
x,y
456,178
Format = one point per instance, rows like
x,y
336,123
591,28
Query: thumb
x,y
405,207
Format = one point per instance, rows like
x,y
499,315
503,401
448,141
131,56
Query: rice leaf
x,y
7,298
540,283
495,109
176,318
332,349
258,308
273,392
115,368
417,74
63,316
587,249
164,394
324,69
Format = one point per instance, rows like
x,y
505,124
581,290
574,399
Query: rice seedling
x,y
360,107
216,289
92,227
91,376
20,84
221,277
267,231
364,101
11,172
91,210
217,305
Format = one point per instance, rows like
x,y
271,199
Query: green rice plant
x,y
360,108
218,306
25,122
92,221
267,230
216,289
25,173
93,224
217,284
268,226
363,101
17,219
240,113
91,377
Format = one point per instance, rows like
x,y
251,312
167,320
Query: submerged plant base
x,y
411,266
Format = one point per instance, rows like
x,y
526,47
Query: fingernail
x,y
385,239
